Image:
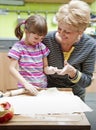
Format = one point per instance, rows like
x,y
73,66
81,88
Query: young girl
x,y
31,55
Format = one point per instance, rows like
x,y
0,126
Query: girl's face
x,y
68,34
33,39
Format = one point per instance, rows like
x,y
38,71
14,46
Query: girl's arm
x,y
19,77
48,69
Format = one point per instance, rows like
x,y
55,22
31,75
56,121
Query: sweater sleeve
x,y
84,76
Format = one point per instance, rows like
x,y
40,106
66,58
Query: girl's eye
x,y
36,38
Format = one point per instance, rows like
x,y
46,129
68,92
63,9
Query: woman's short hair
x,y
76,13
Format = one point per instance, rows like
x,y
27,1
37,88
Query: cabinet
x,y
7,82
92,87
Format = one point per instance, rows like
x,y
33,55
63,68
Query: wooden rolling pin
x,y
15,92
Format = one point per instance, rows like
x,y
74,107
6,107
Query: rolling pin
x,y
15,92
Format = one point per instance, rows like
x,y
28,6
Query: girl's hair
x,y
36,24
76,13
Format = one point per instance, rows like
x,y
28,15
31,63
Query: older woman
x,y
72,51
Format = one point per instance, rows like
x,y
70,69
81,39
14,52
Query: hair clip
x,y
23,22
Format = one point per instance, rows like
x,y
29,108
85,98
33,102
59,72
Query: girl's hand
x,y
31,88
50,70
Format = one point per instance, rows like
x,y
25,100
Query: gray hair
x,y
76,14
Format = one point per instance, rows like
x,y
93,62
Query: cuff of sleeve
x,y
77,77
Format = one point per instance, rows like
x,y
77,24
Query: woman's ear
x,y
81,32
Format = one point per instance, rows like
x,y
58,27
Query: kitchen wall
x,y
9,20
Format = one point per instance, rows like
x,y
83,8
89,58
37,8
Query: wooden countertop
x,y
29,123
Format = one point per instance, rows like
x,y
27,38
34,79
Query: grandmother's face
x,y
68,33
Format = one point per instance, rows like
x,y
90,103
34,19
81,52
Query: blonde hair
x,y
76,14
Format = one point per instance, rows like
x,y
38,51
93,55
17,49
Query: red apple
x,y
6,112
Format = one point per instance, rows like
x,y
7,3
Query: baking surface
x,y
50,101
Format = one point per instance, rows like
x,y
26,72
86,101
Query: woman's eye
x,y
67,32
59,29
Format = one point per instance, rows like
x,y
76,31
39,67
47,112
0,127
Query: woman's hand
x,y
68,69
